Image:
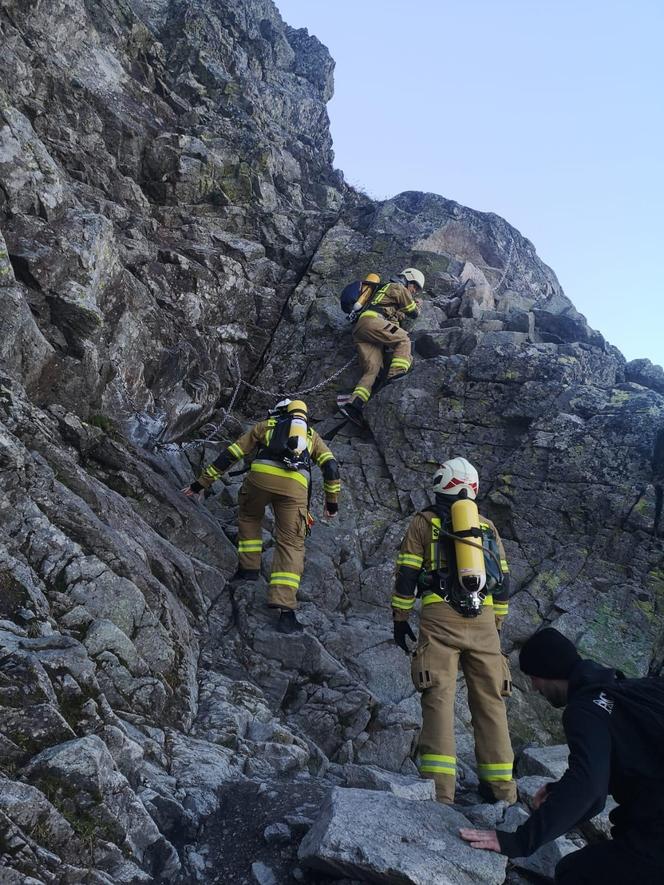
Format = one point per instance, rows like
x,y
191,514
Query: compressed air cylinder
x,y
469,553
297,434
367,289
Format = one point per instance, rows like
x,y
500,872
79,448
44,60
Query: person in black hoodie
x,y
615,731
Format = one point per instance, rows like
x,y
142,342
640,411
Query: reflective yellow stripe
x,y
362,393
252,544
431,597
212,472
370,313
434,597
409,308
279,471
287,579
403,603
410,559
324,458
400,363
271,422
332,487
434,763
495,771
236,451
433,551
504,567
500,608
380,294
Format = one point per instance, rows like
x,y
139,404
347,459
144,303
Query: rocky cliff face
x,y
171,224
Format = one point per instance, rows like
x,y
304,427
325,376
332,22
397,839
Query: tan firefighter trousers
x,y
446,638
371,335
290,523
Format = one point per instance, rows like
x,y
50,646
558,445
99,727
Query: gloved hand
x,y
401,631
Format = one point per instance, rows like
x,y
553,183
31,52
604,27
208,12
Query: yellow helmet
x,y
297,405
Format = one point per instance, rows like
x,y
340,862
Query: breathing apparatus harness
x,y
357,295
378,295
463,583
287,443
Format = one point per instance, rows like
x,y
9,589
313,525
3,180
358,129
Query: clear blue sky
x,y
548,112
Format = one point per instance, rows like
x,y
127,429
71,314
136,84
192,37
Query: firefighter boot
x,y
288,622
244,574
353,411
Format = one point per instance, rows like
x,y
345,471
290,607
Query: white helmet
x,y
413,275
454,476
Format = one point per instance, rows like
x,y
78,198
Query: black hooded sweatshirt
x,y
615,732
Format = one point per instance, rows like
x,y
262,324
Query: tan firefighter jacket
x,y
393,302
274,477
420,548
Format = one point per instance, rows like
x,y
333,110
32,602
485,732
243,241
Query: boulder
x,y
645,373
82,776
368,835
548,762
370,777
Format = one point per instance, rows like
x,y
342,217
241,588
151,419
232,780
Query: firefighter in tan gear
x,y
378,327
279,475
456,627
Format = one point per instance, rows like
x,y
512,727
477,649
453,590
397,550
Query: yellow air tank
x,y
369,284
297,434
469,553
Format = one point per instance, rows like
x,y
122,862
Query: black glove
x,y
196,487
332,507
401,630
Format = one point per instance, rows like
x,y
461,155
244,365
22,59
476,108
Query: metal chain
x,y
215,429
313,389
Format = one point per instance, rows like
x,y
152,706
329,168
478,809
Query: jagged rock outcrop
x,y
171,223
166,175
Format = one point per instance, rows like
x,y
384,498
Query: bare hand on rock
x,y
487,840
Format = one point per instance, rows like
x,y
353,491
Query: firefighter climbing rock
x,y
377,327
464,595
279,475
